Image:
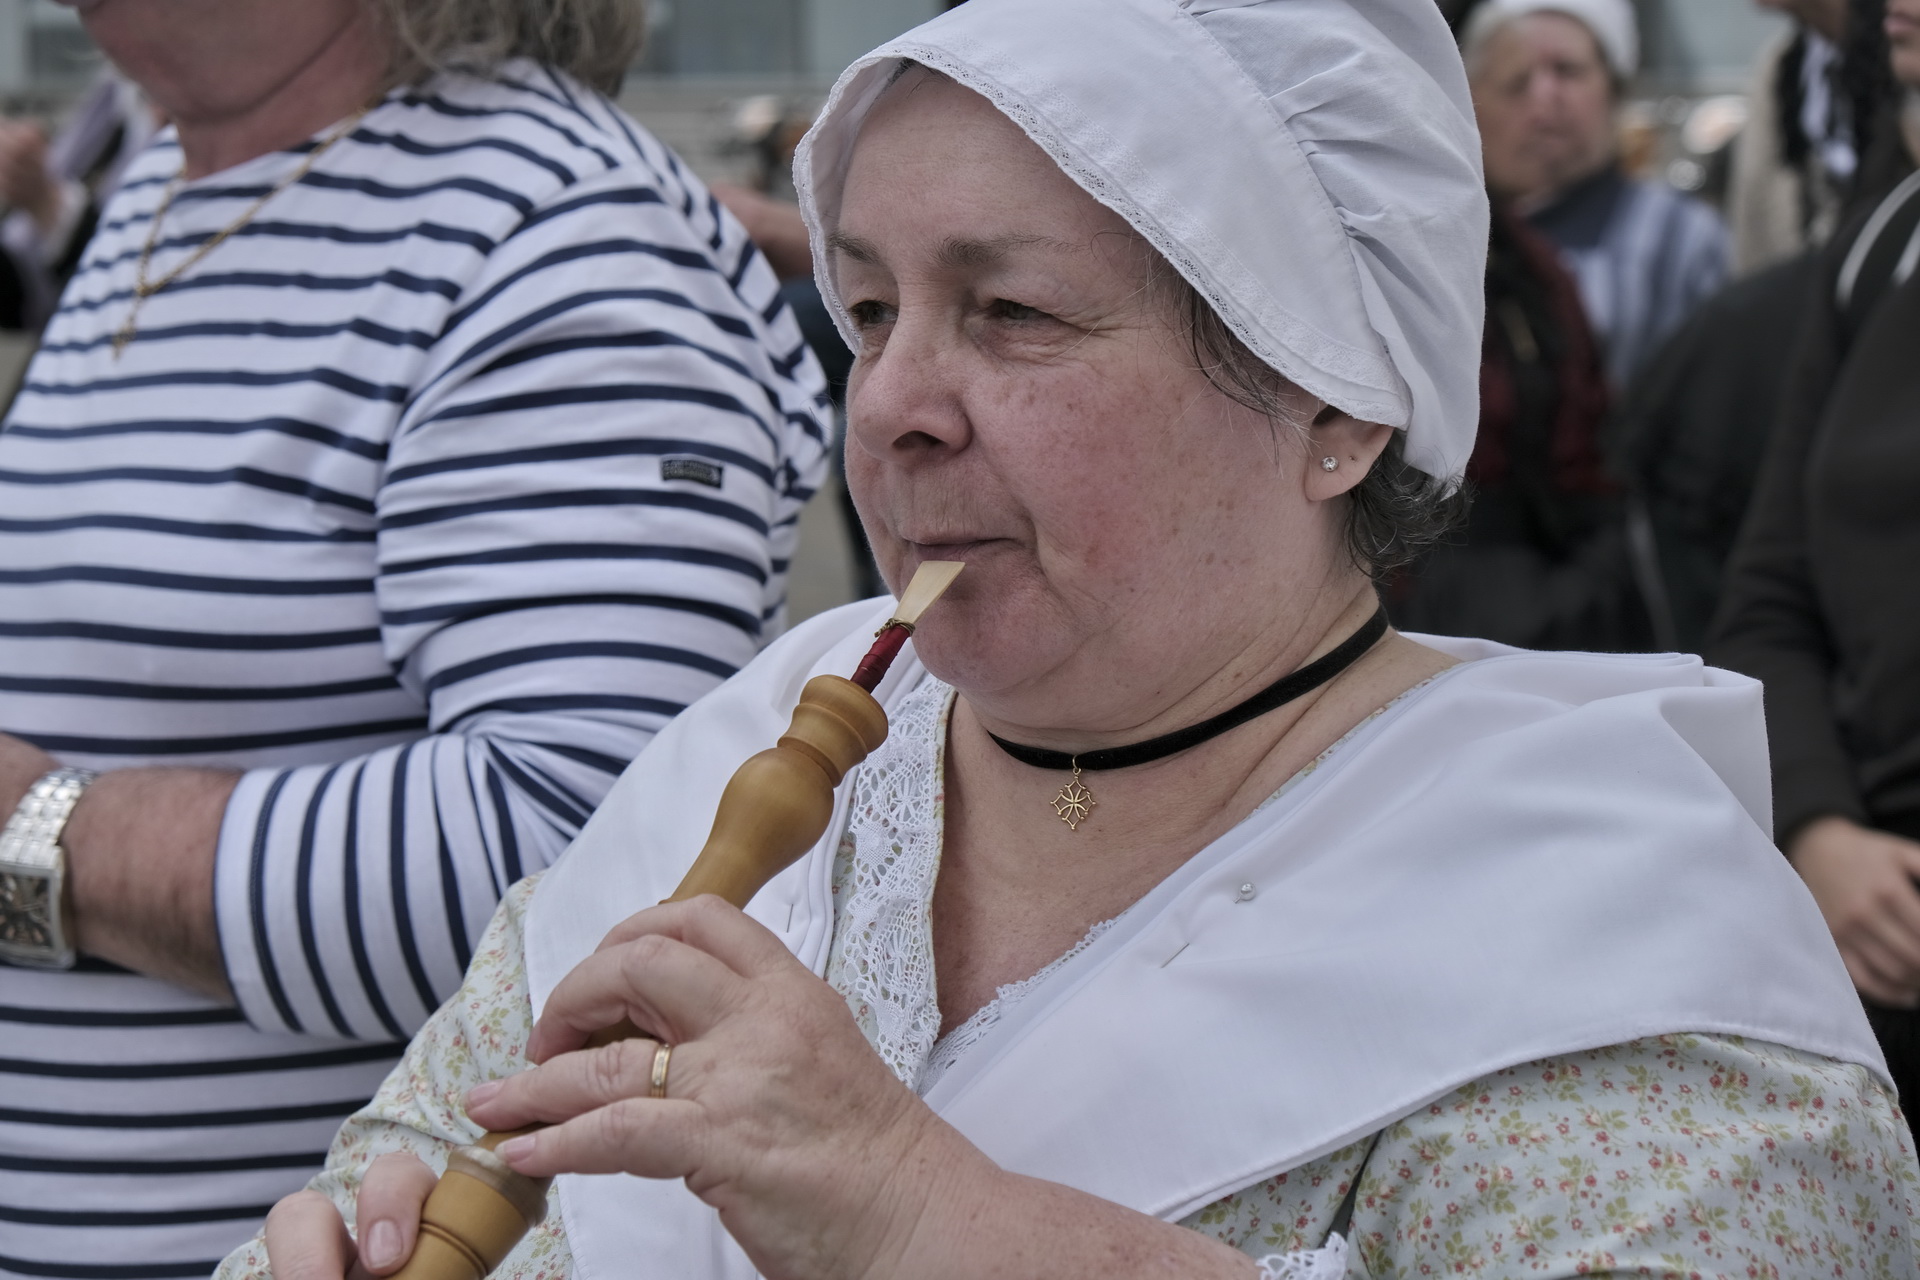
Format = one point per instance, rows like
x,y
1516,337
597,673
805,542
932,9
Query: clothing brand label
x,y
698,470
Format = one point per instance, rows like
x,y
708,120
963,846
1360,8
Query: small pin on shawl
x,y
930,582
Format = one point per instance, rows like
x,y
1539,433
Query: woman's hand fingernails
x,y
479,1094
382,1243
515,1149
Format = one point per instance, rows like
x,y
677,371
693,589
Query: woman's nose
x,y
904,401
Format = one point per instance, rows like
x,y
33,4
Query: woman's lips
x,y
948,548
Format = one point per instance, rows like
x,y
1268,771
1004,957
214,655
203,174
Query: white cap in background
x,y
1611,21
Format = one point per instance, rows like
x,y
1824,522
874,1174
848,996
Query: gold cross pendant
x,y
1075,802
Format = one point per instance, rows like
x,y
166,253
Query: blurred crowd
x,y
1697,432
347,672
1697,426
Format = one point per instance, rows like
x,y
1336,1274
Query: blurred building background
x,y
704,60
1697,61
1701,46
45,56
707,61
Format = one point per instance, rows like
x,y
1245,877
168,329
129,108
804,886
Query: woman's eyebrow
x,y
958,251
854,247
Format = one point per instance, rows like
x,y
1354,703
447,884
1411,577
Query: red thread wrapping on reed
x,y
886,647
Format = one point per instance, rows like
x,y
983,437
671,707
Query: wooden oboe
x,y
775,808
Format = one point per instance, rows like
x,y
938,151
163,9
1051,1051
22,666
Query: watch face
x,y
26,911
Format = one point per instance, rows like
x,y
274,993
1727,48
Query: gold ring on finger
x,y
657,1080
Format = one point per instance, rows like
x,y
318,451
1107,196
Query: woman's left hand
x,y
777,1111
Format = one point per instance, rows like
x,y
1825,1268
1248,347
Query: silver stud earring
x,y
1329,464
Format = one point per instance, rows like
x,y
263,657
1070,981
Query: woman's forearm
x,y
140,854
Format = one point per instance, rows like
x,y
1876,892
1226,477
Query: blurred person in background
x,y
416,438
1691,437
1823,135
773,220
1547,77
1688,442
1539,560
1820,601
764,205
54,190
1797,154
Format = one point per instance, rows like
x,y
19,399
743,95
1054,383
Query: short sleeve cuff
x,y
242,932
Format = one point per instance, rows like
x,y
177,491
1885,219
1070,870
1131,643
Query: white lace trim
x,y
1329,1263
882,955
954,1045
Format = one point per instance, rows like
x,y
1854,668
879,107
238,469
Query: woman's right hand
x,y
1863,881
308,1240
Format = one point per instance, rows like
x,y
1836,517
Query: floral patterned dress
x,y
1677,1156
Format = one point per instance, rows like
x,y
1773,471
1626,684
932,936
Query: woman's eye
x,y
868,314
1006,309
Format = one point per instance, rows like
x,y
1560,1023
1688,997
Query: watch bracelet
x,y
34,921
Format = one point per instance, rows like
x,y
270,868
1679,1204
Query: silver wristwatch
x,y
35,924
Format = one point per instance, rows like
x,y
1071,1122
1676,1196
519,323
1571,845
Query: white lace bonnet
x,y
1310,166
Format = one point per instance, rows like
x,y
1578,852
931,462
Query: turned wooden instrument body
x,y
775,808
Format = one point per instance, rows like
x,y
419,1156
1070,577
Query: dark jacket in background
x,y
1692,435
1822,598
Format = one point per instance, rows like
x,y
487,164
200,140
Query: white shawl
x,y
1533,855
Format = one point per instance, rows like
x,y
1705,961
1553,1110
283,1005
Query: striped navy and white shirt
x,y
427,499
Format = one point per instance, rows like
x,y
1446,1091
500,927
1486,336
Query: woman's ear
x,y
1340,452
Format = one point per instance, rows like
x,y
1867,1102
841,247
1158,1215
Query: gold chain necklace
x,y
143,288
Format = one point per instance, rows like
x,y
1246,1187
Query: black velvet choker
x,y
1075,802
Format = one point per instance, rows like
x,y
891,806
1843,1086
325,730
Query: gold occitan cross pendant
x,y
1074,803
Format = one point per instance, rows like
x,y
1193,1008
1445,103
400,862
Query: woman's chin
x,y
984,644
976,673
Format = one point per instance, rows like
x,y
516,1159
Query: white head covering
x,y
1310,166
1611,21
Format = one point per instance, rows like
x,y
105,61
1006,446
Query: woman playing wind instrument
x,y
1188,922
